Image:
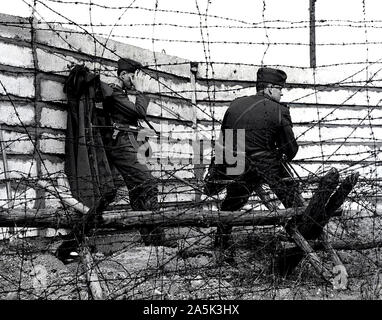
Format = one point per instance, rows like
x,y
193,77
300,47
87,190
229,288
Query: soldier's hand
x,y
137,81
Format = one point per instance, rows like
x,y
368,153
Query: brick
x,y
52,118
52,91
15,27
53,170
222,91
228,91
340,152
171,110
18,143
318,133
208,132
343,115
165,86
337,134
3,197
58,63
176,193
211,112
4,232
340,74
334,96
227,71
55,62
22,198
337,115
16,56
165,169
51,143
85,43
178,150
49,168
8,114
174,131
19,168
25,198
21,86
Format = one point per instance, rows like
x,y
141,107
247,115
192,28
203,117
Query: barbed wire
x,y
193,268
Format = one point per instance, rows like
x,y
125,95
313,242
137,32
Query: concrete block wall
x,y
337,123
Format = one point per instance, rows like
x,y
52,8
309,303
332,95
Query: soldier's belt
x,y
146,132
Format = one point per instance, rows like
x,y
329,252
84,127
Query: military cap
x,y
270,75
128,65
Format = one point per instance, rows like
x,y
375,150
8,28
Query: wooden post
x,y
91,274
312,29
311,255
340,279
198,167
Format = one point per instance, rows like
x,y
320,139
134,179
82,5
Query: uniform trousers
x,y
268,170
142,186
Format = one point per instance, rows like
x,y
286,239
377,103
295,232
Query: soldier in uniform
x,y
268,138
122,146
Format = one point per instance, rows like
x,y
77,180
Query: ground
x,y
194,270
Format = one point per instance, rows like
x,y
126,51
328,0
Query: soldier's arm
x,y
122,103
287,143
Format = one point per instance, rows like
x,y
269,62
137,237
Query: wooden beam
x,y
312,33
123,220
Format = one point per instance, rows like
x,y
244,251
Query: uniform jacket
x,y
267,124
119,107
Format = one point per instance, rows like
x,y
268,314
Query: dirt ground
x,y
129,270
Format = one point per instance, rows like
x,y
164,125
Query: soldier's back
x,y
259,116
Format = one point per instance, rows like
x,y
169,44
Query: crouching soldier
x,y
269,139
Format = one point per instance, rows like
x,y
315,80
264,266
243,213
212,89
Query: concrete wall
x,y
338,123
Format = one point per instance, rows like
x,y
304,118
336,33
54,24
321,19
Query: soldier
x,y
122,146
268,138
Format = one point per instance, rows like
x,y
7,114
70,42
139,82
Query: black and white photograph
x,y
203,151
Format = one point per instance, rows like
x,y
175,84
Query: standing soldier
x,y
122,146
269,139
